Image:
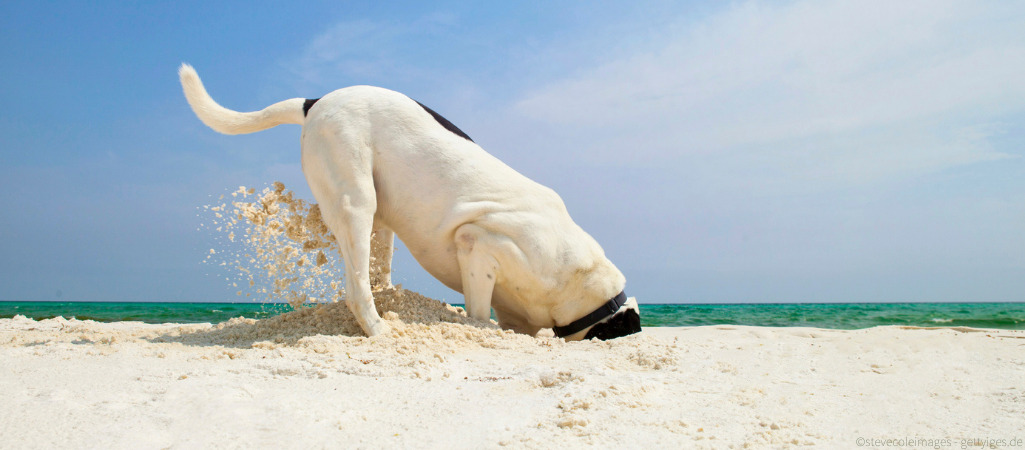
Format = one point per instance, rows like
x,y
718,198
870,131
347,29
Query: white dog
x,y
380,164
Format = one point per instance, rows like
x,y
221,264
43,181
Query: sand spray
x,y
275,247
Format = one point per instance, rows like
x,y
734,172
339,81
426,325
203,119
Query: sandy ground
x,y
445,382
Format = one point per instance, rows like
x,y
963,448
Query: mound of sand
x,y
409,313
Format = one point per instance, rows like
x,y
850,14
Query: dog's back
x,y
430,180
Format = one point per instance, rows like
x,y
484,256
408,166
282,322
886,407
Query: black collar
x,y
609,308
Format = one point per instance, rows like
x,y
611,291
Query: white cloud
x,y
850,90
364,51
342,50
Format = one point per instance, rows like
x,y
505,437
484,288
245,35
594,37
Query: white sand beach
x,y
309,380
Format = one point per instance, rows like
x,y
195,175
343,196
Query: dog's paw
x,y
379,328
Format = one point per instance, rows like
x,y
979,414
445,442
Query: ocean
x,y
843,316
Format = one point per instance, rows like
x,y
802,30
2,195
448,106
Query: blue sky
x,y
719,151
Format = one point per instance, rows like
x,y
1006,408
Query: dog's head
x,y
624,322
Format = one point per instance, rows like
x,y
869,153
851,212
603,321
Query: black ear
x,y
622,324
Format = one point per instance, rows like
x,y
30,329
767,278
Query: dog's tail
x,y
226,121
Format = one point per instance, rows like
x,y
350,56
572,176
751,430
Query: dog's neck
x,y
606,310
601,282
624,319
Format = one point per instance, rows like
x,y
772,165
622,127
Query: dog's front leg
x,y
477,268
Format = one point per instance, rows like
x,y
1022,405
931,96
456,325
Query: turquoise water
x,y
820,315
846,316
142,311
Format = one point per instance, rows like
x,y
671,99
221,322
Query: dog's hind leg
x,y
352,224
477,268
382,247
